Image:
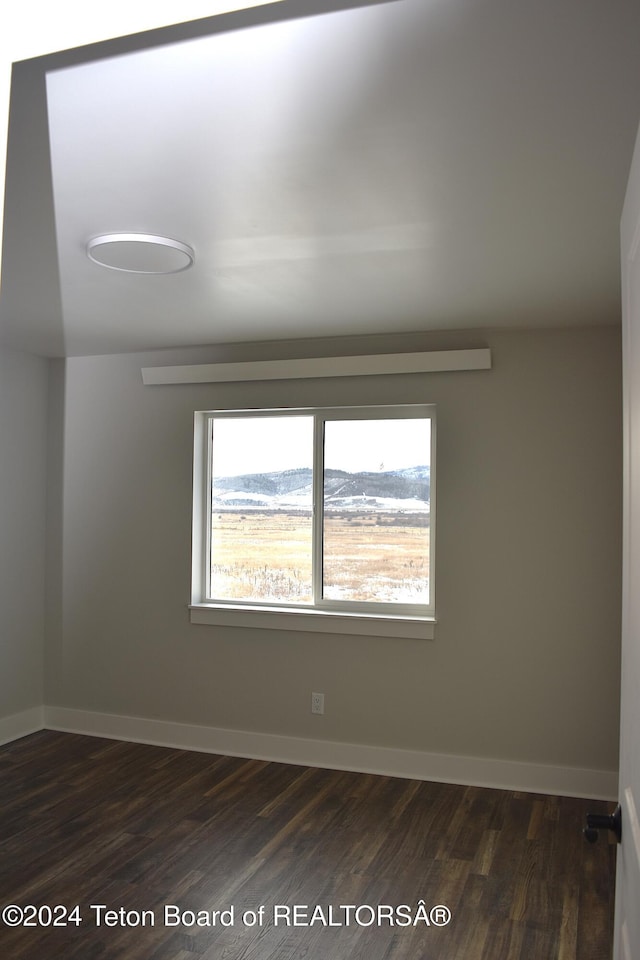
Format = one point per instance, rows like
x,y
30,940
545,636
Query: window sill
x,y
314,621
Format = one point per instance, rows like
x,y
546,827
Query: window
x,y
326,513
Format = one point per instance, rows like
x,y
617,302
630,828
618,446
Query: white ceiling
x,y
409,166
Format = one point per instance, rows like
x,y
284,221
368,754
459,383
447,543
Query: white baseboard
x,y
360,758
21,724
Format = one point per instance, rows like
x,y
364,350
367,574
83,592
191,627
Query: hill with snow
x,y
386,490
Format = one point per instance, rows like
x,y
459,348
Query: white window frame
x,y
322,615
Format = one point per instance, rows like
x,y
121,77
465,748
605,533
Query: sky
x,y
265,444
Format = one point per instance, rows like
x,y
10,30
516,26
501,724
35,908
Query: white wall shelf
x,y
439,361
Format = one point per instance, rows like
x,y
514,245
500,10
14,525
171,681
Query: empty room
x,y
319,481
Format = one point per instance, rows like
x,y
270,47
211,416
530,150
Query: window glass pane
x,y
261,516
376,510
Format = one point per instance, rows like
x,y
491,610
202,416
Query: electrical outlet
x,y
317,703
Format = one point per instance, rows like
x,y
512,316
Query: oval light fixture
x,y
140,253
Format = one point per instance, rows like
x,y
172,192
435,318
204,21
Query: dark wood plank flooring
x,y
98,823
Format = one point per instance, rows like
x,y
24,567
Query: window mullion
x,y
208,507
318,507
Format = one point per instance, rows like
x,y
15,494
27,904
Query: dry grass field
x,y
267,556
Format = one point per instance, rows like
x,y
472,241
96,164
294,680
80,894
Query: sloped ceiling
x,y
413,165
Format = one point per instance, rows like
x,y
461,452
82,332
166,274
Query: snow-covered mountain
x,y
391,490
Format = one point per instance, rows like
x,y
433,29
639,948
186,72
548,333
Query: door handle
x,y
599,821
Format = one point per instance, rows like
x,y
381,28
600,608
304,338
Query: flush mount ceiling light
x,y
140,253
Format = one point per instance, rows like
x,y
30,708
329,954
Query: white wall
x,y
23,441
525,664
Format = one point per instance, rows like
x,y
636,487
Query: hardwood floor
x,y
134,829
